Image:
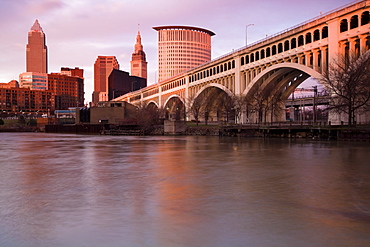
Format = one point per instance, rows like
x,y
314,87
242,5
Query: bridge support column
x,y
342,47
315,59
244,115
281,114
301,59
160,103
243,82
363,43
354,46
186,98
237,77
324,59
308,55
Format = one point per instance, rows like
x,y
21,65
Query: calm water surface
x,y
76,190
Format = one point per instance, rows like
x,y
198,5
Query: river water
x,y
83,190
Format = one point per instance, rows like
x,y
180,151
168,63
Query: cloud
x,y
45,6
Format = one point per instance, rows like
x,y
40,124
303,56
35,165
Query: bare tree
x,y
258,104
194,106
208,104
228,105
273,105
239,102
348,78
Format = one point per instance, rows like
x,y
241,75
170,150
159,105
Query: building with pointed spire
x,y
36,50
138,61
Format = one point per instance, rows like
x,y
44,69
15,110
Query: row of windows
x,y
27,92
191,47
195,36
355,22
286,45
202,60
183,44
151,92
303,39
191,51
173,84
212,71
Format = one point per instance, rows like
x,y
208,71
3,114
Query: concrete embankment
x,y
358,133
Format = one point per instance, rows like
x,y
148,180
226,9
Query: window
x,y
286,45
293,43
280,47
300,40
268,52
316,35
354,22
343,25
308,38
365,18
273,49
325,32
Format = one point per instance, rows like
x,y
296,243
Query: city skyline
x,y
79,31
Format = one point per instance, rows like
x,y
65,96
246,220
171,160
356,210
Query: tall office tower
x,y
181,48
138,61
36,50
102,68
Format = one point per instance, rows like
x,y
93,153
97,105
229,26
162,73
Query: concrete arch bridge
x,y
252,83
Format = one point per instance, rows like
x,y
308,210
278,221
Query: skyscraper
x,y
138,61
102,68
36,50
181,48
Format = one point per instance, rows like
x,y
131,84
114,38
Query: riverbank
x,y
328,132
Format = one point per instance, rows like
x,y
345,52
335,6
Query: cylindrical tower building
x,y
181,48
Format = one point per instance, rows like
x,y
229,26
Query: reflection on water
x,y
76,190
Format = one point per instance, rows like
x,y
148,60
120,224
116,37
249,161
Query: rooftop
x,y
199,29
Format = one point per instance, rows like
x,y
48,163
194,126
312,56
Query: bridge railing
x,y
278,33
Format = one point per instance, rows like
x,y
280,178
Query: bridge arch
x,y
152,105
270,88
223,88
174,107
214,102
287,67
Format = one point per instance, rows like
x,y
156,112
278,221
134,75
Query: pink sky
x,y
77,31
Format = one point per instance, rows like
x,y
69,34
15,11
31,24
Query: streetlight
x,y
246,33
314,103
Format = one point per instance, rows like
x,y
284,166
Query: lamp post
x,y
314,104
246,33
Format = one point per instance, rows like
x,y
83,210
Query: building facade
x,y
181,48
120,83
138,61
67,88
102,69
34,80
15,100
36,50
